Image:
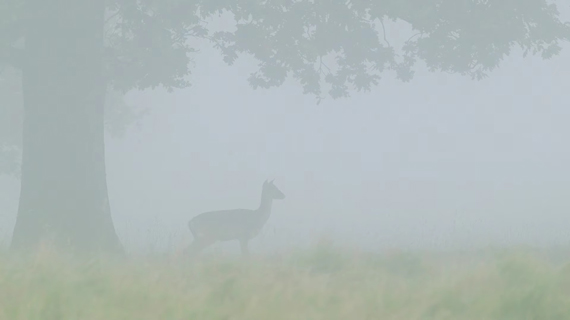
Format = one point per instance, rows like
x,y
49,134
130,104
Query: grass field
x,y
323,282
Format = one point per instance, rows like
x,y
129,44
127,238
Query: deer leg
x,y
244,247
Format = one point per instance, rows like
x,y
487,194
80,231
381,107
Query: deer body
x,y
238,224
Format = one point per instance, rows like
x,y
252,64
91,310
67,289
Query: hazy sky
x,y
442,161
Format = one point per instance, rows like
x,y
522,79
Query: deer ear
x,y
271,181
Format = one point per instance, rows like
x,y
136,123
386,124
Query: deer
x,y
235,224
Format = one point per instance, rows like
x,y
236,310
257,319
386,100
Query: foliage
x,y
147,41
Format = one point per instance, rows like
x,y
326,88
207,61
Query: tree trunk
x,y
63,196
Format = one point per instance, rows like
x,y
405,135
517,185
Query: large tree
x,y
70,54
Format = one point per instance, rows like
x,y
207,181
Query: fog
x,y
440,162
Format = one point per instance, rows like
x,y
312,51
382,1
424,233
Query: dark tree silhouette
x,y
75,50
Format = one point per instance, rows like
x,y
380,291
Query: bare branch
x,y
384,32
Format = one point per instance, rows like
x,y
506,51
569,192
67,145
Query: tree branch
x,y
384,32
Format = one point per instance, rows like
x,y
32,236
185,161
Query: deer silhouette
x,y
237,224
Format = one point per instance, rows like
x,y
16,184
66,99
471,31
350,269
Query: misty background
x,y
442,162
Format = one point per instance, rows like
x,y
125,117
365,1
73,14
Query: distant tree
x,y
70,54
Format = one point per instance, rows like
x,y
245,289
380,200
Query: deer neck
x,y
265,206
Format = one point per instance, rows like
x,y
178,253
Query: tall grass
x,y
323,282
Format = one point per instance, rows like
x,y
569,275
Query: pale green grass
x,y
322,283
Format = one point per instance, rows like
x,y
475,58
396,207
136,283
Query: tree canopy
x,y
291,38
334,44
